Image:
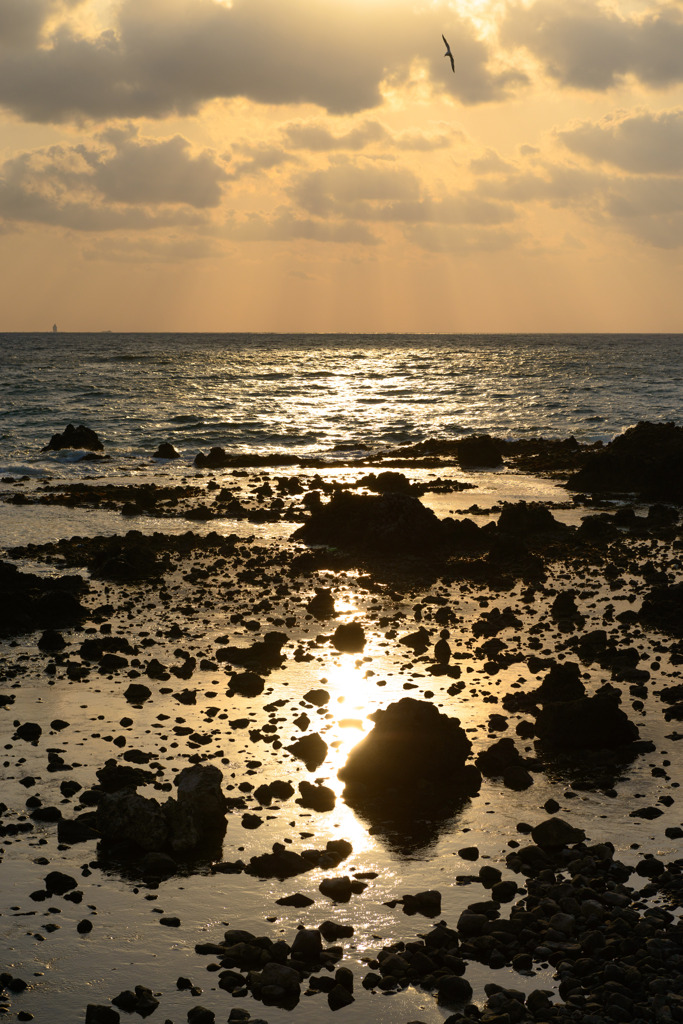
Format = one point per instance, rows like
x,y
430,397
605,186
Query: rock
x,y
332,930
478,450
297,899
453,990
322,605
318,798
200,1015
29,731
413,748
74,437
247,684
307,945
28,601
338,997
516,777
190,825
555,833
562,683
427,903
384,523
52,640
166,451
217,458
501,755
95,1014
592,722
58,883
527,519
662,609
262,656
349,637
646,459
310,749
137,693
338,889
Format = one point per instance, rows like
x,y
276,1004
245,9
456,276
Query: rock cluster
x,y
274,972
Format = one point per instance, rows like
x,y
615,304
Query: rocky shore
x,y
316,673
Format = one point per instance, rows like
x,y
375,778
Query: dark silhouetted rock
x,y
349,637
555,833
409,773
311,749
395,523
166,451
322,605
646,460
662,609
479,450
74,437
591,722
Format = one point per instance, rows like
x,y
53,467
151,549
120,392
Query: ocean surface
x,y
319,394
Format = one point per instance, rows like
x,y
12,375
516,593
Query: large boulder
x,y
587,723
395,523
409,773
30,602
646,459
189,826
79,437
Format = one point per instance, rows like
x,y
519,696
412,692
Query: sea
x,y
319,394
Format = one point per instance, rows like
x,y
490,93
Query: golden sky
x,y
316,165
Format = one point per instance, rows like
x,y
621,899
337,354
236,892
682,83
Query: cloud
x,y
284,226
118,181
259,157
643,143
588,46
160,57
340,188
317,137
22,21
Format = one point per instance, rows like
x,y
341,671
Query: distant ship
x,y
54,328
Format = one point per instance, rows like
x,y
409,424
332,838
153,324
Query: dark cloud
x,y
589,46
644,143
257,157
161,58
22,21
114,183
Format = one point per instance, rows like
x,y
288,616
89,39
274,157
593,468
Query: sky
x,y
316,165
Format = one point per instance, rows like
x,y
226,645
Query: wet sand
x,y
184,605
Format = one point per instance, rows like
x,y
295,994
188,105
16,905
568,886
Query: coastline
x,y
224,582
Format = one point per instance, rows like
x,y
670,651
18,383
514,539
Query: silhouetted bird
x,y
448,53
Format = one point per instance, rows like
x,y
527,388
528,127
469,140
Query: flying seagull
x,y
448,53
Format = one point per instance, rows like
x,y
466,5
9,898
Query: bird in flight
x,y
448,53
